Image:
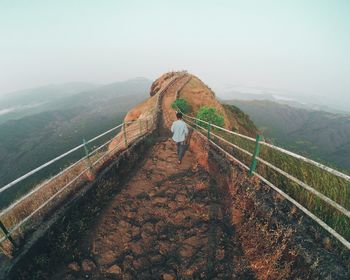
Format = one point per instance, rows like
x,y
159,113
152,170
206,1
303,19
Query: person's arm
x,y
186,130
172,128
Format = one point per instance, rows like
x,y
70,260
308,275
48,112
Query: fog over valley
x,y
299,48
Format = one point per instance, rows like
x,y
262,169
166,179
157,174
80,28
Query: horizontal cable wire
x,y
39,168
307,212
317,164
101,147
223,129
334,233
293,201
103,134
40,186
305,186
51,179
299,182
50,199
52,161
224,140
231,144
106,153
44,204
18,225
60,157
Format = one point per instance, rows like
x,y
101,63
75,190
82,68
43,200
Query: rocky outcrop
x,y
166,222
162,81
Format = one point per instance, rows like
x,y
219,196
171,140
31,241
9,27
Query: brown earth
x,y
169,114
163,225
198,95
197,220
166,223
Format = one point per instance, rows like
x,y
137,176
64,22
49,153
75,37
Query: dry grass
x,y
142,110
14,214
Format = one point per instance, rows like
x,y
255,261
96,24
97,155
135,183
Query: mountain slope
x,y
147,217
321,135
31,141
27,102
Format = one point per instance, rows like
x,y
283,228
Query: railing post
x,y
87,154
140,123
209,128
125,139
7,234
256,153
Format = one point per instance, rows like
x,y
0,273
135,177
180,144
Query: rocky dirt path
x,y
165,224
168,114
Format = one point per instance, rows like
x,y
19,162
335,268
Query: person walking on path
x,y
180,131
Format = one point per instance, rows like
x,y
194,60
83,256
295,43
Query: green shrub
x,y
181,104
211,115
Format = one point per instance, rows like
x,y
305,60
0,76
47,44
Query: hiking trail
x,y
166,222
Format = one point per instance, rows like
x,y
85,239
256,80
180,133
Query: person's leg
x,y
181,150
178,149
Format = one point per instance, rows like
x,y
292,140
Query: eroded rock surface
x,y
163,224
173,221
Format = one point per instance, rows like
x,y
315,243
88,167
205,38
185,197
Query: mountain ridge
x,y
324,136
24,103
30,141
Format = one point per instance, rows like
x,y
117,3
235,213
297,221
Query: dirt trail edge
x,y
169,221
165,223
162,225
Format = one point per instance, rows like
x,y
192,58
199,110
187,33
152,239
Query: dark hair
x,y
179,115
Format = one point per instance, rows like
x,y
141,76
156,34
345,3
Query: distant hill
x,y
294,99
18,104
320,135
30,141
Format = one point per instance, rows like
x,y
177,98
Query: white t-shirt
x,y
179,130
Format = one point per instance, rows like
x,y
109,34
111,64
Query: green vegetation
x,y
210,115
326,183
28,102
322,136
330,185
29,142
181,104
243,122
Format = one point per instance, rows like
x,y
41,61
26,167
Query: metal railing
x,y
208,133
12,220
128,132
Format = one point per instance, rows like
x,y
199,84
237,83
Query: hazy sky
x,y
297,45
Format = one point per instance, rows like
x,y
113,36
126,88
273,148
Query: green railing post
x,y
87,153
256,153
7,234
209,128
125,139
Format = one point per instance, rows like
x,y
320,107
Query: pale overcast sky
x,y
296,45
